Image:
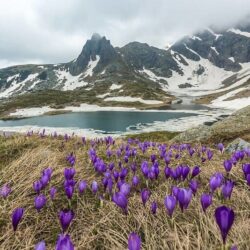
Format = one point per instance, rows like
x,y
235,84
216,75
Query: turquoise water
x,y
107,121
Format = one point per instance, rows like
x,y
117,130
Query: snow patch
x,y
103,95
152,75
192,50
103,72
239,32
34,84
131,99
208,81
10,78
17,86
115,86
70,82
232,104
215,50
91,65
196,38
213,33
29,112
231,59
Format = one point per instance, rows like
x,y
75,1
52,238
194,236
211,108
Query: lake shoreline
x,y
172,125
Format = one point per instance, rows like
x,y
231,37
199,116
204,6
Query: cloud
x,y
54,31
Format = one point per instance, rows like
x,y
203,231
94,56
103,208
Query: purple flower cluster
x,y
123,171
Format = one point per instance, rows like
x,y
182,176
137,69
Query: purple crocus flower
x,y
220,146
227,189
116,175
40,246
206,201
228,165
193,184
196,170
191,151
16,217
209,154
224,218
156,170
64,242
167,172
69,191
65,217
110,185
48,172
167,160
184,172
246,169
52,193
121,201
134,242
154,207
170,203
82,186
234,248
175,191
248,179
145,194
69,173
105,182
44,180
215,181
5,191
153,158
37,186
133,167
40,202
135,181
119,184
125,189
145,169
123,173
184,197
94,187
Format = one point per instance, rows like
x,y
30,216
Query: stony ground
x,y
236,125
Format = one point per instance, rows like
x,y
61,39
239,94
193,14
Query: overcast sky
x,y
53,31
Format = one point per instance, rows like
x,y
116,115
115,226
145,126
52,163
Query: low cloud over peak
x,y
55,31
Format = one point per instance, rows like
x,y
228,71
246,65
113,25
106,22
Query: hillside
x,y
100,221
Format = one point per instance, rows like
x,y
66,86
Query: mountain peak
x,y
96,37
97,46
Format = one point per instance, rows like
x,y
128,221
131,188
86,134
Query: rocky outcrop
x,y
96,46
237,144
235,126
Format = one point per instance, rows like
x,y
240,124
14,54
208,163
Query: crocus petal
x,y
224,218
65,217
40,246
134,242
16,217
64,243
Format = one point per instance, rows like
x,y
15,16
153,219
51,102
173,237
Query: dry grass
x,y
102,225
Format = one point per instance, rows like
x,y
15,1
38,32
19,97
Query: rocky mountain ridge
x,y
207,62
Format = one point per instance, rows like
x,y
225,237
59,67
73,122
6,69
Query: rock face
x,y
96,46
237,144
232,127
206,61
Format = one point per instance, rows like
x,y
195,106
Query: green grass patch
x,y
159,136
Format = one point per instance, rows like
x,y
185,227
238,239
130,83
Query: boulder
x,y
237,144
